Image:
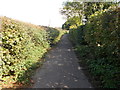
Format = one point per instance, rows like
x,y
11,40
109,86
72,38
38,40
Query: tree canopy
x,y
75,12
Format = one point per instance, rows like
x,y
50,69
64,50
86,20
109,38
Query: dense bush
x,y
22,45
54,34
102,34
77,35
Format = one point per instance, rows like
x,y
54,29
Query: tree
x,y
76,12
91,7
66,25
73,12
71,9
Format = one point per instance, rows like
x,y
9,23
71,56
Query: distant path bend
x,y
61,69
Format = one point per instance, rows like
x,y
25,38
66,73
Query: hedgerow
x,y
77,35
22,45
54,34
102,49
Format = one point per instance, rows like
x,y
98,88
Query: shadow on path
x,y
61,69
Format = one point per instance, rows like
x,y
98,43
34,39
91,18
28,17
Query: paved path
x,y
61,69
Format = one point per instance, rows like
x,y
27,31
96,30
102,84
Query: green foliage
x,y
77,35
71,9
73,22
66,25
102,34
61,33
22,45
74,13
92,7
54,34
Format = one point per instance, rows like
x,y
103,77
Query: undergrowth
x,y
98,45
22,47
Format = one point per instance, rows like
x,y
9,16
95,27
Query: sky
x,y
39,12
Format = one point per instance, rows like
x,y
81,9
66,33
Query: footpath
x,y
61,69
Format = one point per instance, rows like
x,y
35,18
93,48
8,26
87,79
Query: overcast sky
x,y
39,12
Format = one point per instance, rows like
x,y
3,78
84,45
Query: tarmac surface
x,y
61,69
